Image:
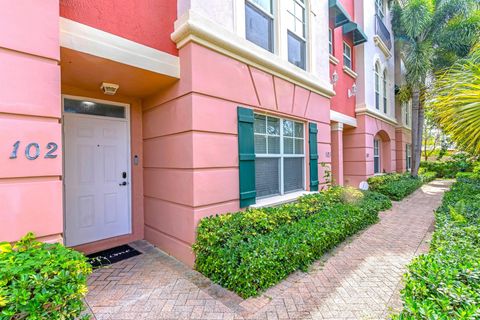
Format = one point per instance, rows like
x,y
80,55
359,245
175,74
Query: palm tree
x,y
432,34
456,102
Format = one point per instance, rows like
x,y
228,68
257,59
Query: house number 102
x,y
32,150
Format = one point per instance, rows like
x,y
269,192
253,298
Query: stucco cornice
x,y
363,110
379,43
193,27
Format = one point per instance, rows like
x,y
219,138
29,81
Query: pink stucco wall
x,y
403,137
190,141
358,149
30,190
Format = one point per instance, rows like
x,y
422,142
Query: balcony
x,y
382,38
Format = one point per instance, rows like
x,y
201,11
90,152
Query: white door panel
x,y
96,161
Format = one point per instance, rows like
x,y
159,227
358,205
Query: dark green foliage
x,y
445,283
41,281
395,186
250,251
450,168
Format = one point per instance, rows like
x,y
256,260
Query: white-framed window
x,y
380,9
279,155
347,56
385,100
259,23
376,156
296,33
408,156
407,113
330,41
377,85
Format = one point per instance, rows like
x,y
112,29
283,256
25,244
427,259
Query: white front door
x,y
96,174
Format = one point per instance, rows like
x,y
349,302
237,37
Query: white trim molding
x,y
193,27
342,118
350,72
333,59
363,109
379,43
82,38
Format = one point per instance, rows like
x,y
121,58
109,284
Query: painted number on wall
x,y
32,150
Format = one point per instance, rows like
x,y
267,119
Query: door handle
x,y
124,183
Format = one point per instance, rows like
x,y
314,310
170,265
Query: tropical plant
x,y
456,101
431,35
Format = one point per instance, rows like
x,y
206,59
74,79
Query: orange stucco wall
x,y
30,190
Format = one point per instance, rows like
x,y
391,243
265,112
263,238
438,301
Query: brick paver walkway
x,y
358,280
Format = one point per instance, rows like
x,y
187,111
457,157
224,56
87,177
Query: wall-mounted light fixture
x,y
353,91
334,77
109,88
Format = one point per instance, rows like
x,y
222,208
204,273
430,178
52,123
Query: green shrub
x,y
445,283
449,169
428,176
250,251
41,281
395,186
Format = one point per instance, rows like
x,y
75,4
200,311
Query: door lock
x,y
124,175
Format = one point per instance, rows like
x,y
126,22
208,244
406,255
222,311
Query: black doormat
x,y
112,255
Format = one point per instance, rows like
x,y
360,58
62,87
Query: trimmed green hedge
x,y
449,169
41,280
250,251
395,186
428,177
445,283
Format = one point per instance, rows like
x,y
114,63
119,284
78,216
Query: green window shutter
x,y
246,154
312,142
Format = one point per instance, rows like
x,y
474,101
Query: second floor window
x,y
296,25
385,100
379,9
377,86
330,41
407,113
259,20
347,56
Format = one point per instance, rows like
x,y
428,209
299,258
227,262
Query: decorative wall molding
x,y
379,43
192,27
350,72
342,118
364,110
82,38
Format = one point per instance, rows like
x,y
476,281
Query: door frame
x,y
129,158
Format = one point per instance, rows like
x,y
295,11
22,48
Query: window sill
x,y
278,200
350,72
333,60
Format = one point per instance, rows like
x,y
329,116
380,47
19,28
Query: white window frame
x,y
377,143
330,41
281,156
384,91
280,30
377,85
380,8
408,156
347,57
269,14
305,36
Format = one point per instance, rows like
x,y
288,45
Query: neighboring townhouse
x,y
130,120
